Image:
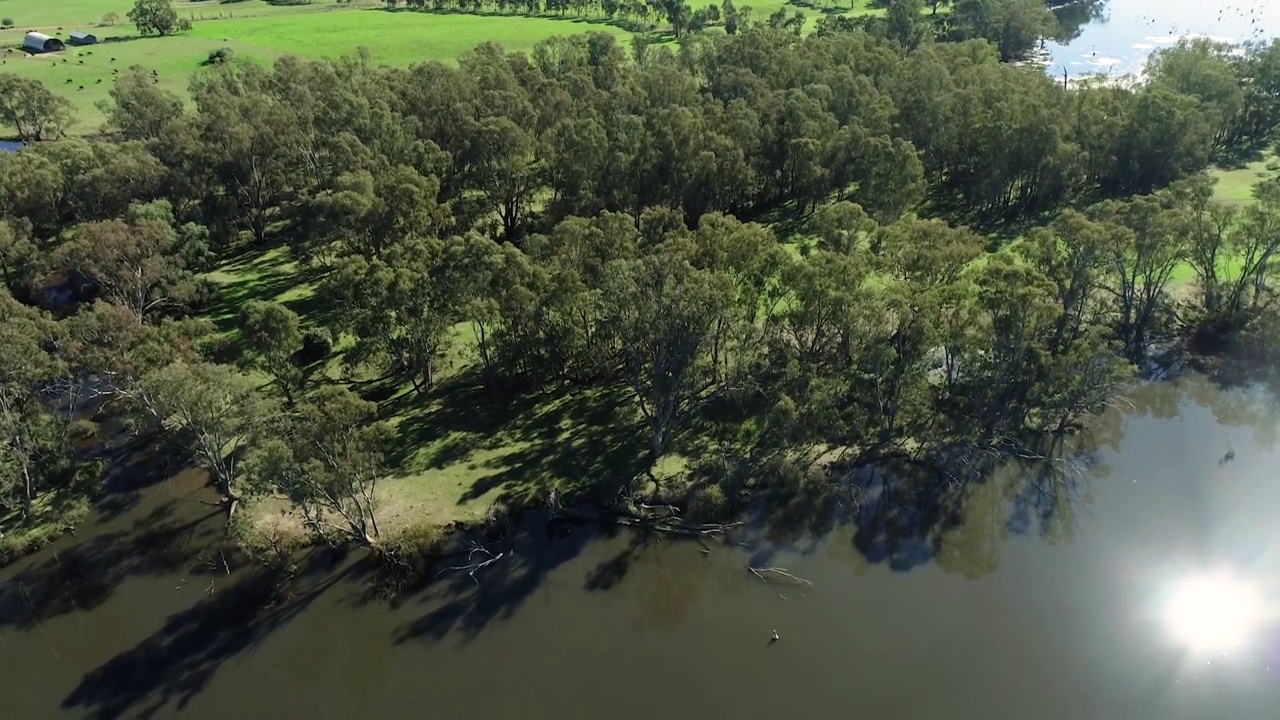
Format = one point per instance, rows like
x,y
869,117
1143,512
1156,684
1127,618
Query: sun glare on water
x,y
1215,613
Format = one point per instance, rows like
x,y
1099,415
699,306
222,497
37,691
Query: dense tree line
x,y
577,218
1013,26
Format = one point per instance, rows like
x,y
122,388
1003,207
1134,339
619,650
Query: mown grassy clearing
x,y
1235,185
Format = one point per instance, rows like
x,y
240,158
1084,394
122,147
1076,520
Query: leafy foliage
x,y
580,223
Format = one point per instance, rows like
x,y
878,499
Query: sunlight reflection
x,y
1216,612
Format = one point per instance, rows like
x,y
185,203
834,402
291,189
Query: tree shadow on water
x,y
85,575
178,661
464,604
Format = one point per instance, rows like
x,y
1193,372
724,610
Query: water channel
x,y
1150,590
1116,36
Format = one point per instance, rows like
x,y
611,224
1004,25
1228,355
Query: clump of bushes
x,y
317,344
708,504
6,22
407,557
219,56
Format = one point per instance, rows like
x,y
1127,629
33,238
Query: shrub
x,y
219,348
219,56
6,22
408,556
708,504
317,344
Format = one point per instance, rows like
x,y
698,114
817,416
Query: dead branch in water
x,y
669,510
474,567
673,526
777,575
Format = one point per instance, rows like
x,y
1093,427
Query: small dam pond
x,y
1116,36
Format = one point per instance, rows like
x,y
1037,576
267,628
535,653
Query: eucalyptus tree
x,y
273,335
669,317
217,410
327,459
1145,245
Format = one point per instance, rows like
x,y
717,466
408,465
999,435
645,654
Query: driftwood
x,y
663,519
778,576
773,575
474,566
675,526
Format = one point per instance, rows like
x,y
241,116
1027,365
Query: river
x,y
1116,36
1151,590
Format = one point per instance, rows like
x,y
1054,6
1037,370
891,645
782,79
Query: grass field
x,y
257,30
393,38
84,75
86,14
1235,185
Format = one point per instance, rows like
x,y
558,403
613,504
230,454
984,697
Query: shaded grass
x,y
461,448
1235,185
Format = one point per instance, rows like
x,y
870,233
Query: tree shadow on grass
x,y
261,273
177,662
572,442
1236,157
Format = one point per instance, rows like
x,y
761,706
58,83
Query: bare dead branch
x,y
472,568
771,575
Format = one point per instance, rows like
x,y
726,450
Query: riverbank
x,y
140,614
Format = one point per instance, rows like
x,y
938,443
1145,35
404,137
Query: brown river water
x,y
1148,587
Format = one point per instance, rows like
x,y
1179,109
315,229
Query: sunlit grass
x,y
1235,185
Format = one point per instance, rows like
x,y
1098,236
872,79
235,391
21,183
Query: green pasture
x,y
393,38
89,14
263,32
84,74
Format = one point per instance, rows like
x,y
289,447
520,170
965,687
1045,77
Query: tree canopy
x,y
876,240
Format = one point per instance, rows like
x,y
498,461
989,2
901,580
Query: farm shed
x,y
40,43
82,38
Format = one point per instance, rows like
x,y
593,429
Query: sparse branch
x,y
474,566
